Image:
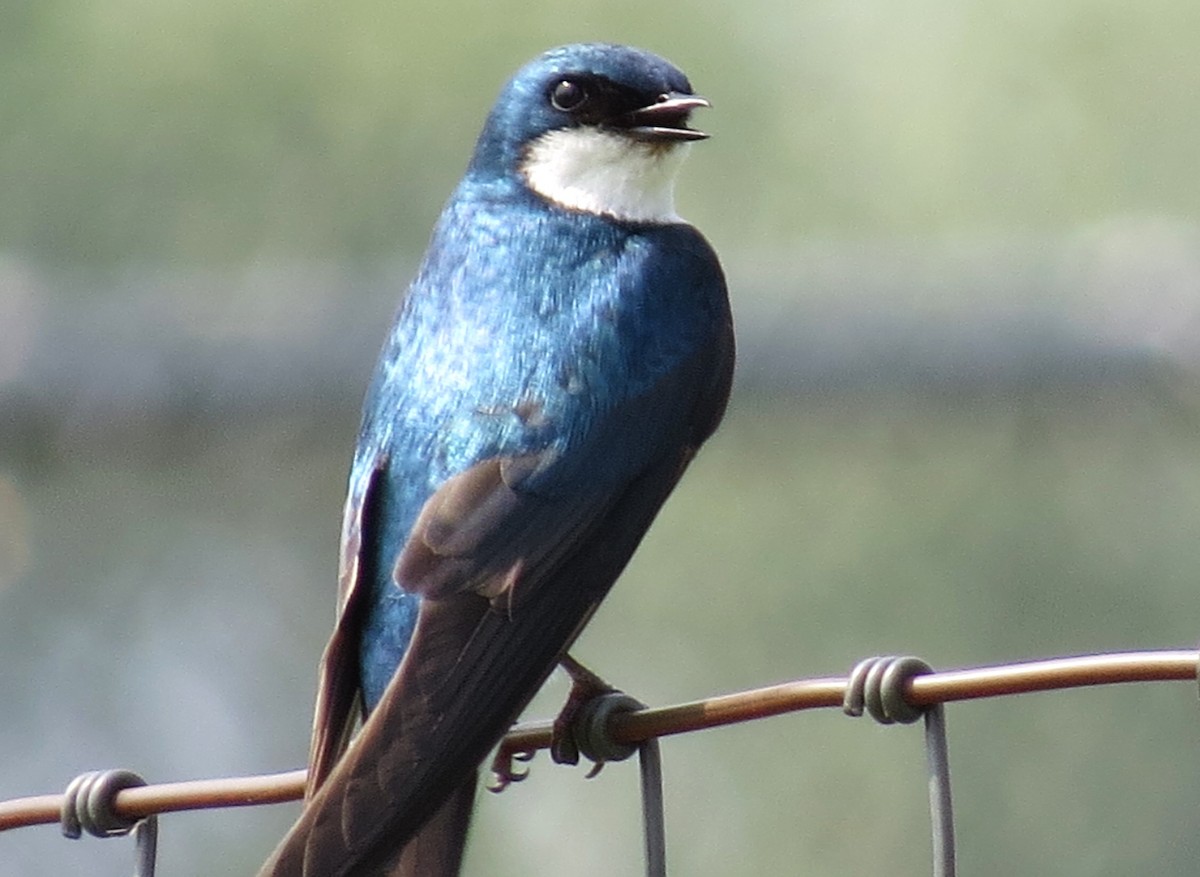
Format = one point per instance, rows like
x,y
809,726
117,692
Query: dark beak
x,y
665,120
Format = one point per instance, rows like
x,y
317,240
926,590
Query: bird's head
x,y
594,128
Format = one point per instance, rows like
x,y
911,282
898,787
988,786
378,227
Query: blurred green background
x,y
963,249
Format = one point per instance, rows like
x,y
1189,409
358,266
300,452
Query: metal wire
x,y
645,724
592,730
654,817
88,805
878,685
941,808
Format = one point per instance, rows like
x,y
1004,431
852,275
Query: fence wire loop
x,y
591,727
89,806
877,685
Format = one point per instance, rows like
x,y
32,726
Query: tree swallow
x,y
564,350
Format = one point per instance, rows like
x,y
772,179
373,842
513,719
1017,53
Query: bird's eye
x,y
568,96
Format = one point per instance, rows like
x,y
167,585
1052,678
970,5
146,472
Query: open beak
x,y
664,120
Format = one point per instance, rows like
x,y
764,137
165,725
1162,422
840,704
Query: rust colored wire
x,y
641,725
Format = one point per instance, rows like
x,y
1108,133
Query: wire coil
x,y
89,805
878,686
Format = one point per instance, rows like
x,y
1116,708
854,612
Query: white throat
x,y
603,172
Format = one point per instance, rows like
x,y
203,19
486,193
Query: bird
x,y
564,350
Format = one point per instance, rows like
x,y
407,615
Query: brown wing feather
x,y
338,697
437,849
473,669
479,533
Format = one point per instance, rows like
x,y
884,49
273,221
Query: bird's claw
x,y
504,768
585,685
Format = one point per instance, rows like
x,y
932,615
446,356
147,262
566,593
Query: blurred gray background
x,y
963,247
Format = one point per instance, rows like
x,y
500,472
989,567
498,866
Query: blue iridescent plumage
x,y
569,350
549,376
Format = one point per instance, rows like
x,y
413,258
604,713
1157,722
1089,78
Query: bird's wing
x,y
338,694
437,849
511,557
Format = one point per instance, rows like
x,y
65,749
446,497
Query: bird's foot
x,y
504,768
585,685
586,689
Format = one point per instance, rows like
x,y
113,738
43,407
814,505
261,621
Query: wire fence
x,y
888,689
